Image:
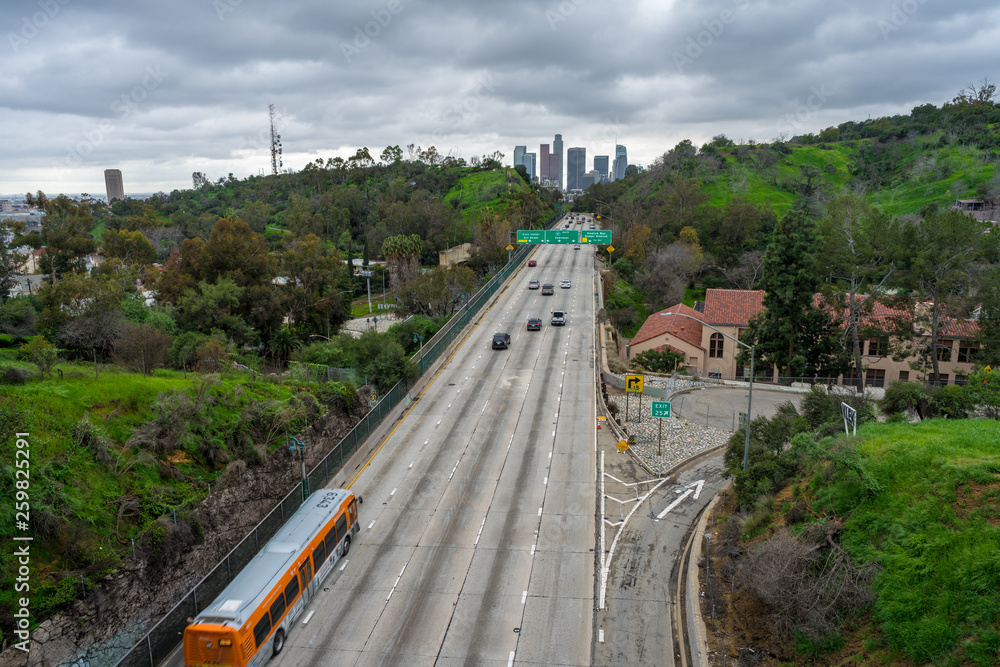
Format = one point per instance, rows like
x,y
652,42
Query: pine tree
x,y
793,333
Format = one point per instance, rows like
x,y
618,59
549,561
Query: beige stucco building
x,y
708,353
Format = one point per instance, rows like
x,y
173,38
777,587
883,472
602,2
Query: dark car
x,y
547,290
558,318
501,341
534,324
532,262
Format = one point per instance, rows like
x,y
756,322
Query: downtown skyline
x,y
162,91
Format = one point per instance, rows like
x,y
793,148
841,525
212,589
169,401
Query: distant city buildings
x,y
601,167
576,165
556,161
113,183
621,161
546,166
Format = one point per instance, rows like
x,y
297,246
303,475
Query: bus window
x,y
342,526
262,630
307,574
331,540
319,555
278,609
292,589
353,512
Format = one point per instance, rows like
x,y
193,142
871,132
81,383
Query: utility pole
x,y
275,143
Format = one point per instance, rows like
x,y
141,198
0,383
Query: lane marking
x,y
539,511
674,504
397,581
510,660
308,616
524,596
346,561
393,493
370,525
600,635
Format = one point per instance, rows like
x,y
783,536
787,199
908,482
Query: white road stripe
x,y
370,525
524,596
308,616
393,493
346,561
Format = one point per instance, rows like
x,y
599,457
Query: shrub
x,y
954,402
906,397
140,348
40,352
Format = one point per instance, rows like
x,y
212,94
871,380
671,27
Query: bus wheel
x,y
279,641
347,545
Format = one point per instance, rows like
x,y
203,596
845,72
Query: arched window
x,y
715,346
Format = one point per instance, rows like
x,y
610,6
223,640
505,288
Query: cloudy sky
x,y
161,89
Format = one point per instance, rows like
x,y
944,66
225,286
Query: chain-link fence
x,y
164,636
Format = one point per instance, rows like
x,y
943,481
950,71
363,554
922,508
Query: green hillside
x,y
916,508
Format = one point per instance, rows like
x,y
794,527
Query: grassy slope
x,y
482,190
935,532
67,479
926,173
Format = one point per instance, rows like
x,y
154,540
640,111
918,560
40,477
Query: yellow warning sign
x,y
622,446
633,384
611,248
510,247
601,418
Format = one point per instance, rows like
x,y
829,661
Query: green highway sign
x,y
563,236
597,236
661,409
531,236
549,236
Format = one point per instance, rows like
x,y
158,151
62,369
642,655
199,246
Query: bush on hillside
x,y
907,398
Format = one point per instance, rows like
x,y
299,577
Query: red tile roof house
x,y
709,354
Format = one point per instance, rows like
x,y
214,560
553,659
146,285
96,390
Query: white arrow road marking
x,y
696,491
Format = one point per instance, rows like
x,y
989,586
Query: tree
x,y
666,272
402,256
792,332
438,292
40,352
859,245
747,273
141,348
214,306
392,155
132,248
316,280
735,231
988,334
945,266
64,234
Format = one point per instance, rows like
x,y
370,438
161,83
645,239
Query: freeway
x,y
478,526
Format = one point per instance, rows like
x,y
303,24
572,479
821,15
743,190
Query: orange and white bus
x,y
249,621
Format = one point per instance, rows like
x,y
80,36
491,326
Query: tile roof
x,y
683,328
732,307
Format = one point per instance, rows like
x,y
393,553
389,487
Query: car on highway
x,y
558,318
534,324
501,341
592,226
565,284
533,284
576,247
547,290
532,262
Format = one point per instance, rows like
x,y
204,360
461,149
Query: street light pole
x,y
752,348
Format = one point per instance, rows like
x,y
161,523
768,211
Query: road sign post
x,y
633,385
660,409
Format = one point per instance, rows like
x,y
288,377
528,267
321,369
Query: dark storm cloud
x,y
163,89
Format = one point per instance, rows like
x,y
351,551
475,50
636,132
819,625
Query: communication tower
x,y
275,143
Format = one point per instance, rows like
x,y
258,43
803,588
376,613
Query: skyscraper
x,y
576,167
543,162
601,166
530,162
519,152
556,161
621,161
114,185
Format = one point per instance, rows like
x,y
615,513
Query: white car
x,y
576,247
565,284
